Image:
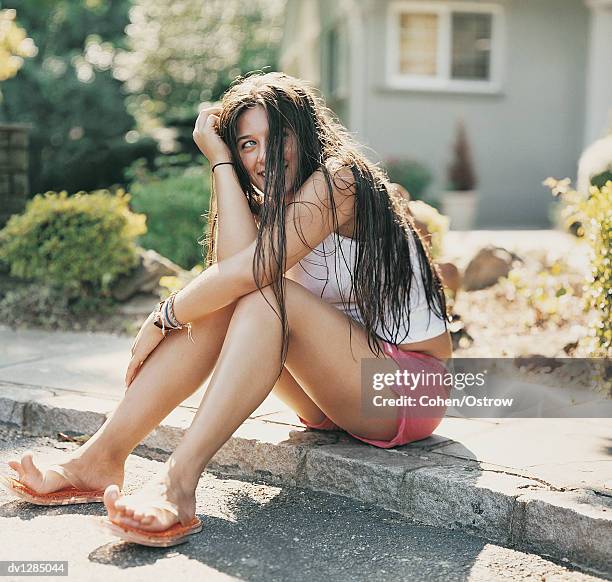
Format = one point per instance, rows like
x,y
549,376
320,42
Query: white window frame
x,y
341,64
443,81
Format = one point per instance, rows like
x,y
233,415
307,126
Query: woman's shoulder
x,y
341,174
337,165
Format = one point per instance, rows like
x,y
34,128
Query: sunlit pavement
x,y
254,531
536,484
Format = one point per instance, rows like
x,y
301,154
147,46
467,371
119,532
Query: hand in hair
x,y
207,138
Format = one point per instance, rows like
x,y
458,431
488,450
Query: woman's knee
x,y
211,327
259,299
263,301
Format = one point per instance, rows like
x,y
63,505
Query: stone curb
x,y
426,486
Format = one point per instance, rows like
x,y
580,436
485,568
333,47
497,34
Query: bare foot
x,y
86,473
156,507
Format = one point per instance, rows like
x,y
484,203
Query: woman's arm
x,y
236,227
308,218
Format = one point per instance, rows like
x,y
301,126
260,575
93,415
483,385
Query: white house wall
x,y
300,55
531,129
599,71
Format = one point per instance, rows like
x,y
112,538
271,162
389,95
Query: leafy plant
x,y
593,212
206,45
14,45
547,292
600,179
41,306
78,245
83,136
412,175
175,207
461,176
436,223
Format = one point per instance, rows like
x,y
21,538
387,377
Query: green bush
x,y
412,175
78,245
593,212
461,175
35,305
600,179
175,207
436,223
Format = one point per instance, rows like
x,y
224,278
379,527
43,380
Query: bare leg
x,y
152,396
217,418
175,370
245,374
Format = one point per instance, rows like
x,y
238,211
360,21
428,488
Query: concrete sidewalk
x,y
258,532
536,484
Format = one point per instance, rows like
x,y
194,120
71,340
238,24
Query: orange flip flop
x,y
68,496
177,534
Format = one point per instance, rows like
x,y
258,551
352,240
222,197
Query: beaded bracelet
x,y
166,320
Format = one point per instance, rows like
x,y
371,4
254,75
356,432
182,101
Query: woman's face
x,y
252,142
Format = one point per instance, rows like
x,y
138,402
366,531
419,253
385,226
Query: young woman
x,y
314,265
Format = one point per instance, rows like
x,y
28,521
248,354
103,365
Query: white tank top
x,y
326,271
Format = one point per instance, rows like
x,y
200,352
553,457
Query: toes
x,y
29,468
16,466
118,511
27,460
132,522
120,506
111,495
139,511
123,520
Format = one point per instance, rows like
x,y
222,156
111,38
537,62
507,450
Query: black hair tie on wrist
x,y
220,164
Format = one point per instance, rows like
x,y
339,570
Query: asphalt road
x,y
253,531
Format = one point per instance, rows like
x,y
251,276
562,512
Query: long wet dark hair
x,y
383,273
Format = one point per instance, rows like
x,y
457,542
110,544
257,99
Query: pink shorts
x,y
413,422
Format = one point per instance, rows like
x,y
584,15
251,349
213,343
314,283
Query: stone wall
x,y
14,188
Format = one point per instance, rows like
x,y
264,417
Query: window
x,y
335,63
418,44
471,52
446,46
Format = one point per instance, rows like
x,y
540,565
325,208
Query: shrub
x,y
593,211
412,175
164,166
175,207
461,174
40,306
436,223
595,164
78,245
600,179
549,292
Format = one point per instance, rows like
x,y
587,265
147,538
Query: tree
x,y
70,97
181,55
461,174
73,92
14,45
